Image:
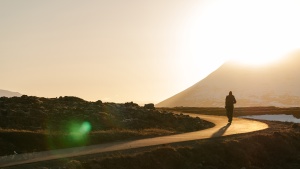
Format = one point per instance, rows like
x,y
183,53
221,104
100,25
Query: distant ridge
x,y
277,84
6,93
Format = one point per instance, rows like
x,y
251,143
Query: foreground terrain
x,y
32,124
221,128
277,147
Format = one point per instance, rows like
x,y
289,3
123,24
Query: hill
x,y
6,93
53,123
276,84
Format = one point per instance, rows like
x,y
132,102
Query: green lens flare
x,y
85,127
79,132
72,133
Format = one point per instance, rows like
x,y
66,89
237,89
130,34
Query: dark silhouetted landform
x,y
276,84
63,122
6,93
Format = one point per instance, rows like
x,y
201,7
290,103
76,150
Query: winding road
x,y
221,128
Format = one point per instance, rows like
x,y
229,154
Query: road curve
x,y
221,128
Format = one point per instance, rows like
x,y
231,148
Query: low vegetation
x,y
30,123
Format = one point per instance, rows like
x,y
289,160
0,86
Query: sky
x,y
141,51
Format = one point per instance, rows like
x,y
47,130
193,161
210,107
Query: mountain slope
x,y
6,93
272,85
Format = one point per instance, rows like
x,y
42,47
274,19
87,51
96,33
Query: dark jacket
x,y
230,100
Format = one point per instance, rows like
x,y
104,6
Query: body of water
x,y
277,117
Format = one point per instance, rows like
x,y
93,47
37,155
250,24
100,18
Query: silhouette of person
x,y
229,102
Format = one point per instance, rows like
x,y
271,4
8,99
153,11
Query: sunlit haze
x,y
141,51
257,61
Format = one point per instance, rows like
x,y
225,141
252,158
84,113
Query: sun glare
x,y
257,60
252,32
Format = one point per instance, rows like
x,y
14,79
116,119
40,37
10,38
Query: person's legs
x,y
230,115
229,112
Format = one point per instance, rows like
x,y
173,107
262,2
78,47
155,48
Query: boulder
x,y
149,106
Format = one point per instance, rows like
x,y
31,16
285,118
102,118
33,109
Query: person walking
x,y
229,102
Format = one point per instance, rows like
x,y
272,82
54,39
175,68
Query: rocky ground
x,y
30,124
34,114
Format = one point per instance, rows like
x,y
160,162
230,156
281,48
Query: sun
x,y
251,32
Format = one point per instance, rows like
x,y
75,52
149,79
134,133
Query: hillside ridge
x,y
6,93
271,85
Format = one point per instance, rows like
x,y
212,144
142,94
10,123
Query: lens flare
x,y
79,132
73,133
85,127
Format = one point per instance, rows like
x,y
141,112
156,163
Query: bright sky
x,y
141,51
